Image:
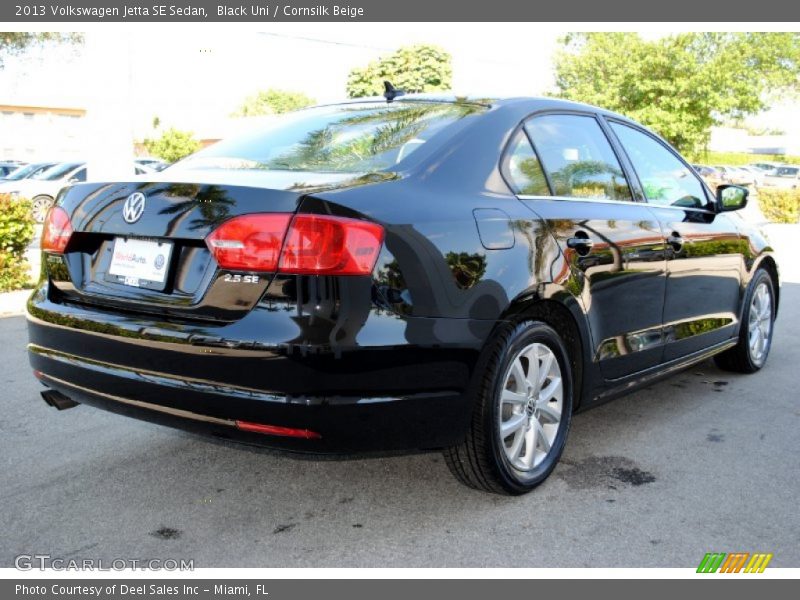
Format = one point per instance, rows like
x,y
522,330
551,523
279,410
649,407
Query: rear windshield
x,y
351,138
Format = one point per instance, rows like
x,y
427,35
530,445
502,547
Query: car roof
x,y
530,103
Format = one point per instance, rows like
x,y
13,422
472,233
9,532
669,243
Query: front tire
x,y
755,336
521,413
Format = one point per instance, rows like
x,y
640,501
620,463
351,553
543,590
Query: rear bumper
x,y
390,395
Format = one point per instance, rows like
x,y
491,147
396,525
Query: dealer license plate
x,y
140,263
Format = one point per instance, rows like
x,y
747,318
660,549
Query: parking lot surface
x,y
703,461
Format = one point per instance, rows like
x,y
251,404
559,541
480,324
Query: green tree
x,y
173,145
419,68
273,102
17,42
679,85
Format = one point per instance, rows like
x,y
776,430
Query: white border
x,y
404,573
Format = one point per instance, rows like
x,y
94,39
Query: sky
x,y
195,77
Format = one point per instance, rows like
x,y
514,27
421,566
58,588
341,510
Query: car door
x,y
573,181
705,253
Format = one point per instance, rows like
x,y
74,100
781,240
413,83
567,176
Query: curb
x,y
12,304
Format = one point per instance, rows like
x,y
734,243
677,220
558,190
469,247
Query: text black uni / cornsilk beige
x,y
264,10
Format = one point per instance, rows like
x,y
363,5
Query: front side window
x,y
578,158
523,168
665,179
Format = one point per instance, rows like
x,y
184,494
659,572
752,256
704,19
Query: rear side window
x,y
523,169
578,158
665,179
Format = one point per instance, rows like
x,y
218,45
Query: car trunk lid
x,y
154,259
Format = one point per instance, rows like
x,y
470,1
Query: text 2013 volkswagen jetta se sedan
x,y
426,273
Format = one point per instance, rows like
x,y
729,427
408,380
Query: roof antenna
x,y
391,92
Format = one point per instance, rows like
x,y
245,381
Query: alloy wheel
x,y
40,207
759,326
531,403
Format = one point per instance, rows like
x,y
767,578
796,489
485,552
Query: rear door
x,y
574,182
704,249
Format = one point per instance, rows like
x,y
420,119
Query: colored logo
x,y
159,262
133,208
736,562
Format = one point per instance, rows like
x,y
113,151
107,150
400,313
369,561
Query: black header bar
x,y
194,11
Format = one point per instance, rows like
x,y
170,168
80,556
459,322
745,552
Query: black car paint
x,y
385,362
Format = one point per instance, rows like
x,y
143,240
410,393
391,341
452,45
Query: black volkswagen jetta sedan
x,y
425,273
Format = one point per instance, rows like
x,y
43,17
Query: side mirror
x,y
73,180
731,197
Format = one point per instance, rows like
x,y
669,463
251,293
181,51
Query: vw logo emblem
x,y
133,208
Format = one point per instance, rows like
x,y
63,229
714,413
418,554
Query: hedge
x,y
16,233
780,206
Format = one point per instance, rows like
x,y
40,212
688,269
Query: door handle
x,y
676,241
580,243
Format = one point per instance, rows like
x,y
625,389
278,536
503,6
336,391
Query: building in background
x,y
30,133
732,139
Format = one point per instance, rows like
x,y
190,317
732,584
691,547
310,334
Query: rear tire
x,y
521,412
755,333
39,207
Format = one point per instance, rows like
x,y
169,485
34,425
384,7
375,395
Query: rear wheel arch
x,y
568,326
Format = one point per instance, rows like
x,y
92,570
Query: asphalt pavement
x,y
704,461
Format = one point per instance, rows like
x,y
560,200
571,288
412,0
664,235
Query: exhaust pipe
x,y
58,400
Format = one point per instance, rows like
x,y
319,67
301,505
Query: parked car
x,y
26,171
7,167
735,175
425,273
43,187
710,175
154,164
767,167
786,177
743,176
756,174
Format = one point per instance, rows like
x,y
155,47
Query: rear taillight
x,y
313,244
56,231
249,242
322,245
